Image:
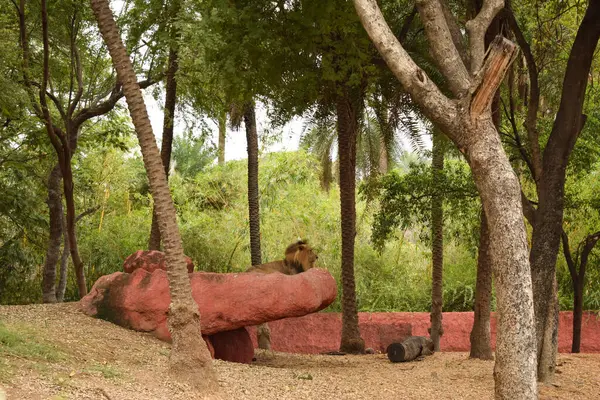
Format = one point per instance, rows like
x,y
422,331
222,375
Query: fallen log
x,y
411,348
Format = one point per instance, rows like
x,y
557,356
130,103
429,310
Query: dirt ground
x,y
71,356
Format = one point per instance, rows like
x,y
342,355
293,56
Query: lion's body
x,y
299,257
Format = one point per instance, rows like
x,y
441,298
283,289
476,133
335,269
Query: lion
x,y
299,257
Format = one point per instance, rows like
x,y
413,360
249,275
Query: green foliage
x,y
405,197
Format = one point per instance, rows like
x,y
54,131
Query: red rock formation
x,y
140,300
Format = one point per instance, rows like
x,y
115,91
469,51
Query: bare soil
x,y
95,359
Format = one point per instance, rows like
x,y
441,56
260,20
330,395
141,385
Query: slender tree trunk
x,y
64,263
577,314
222,137
253,203
348,112
190,359
167,137
481,346
578,280
437,240
548,227
73,248
55,218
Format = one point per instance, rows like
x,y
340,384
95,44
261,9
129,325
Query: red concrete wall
x,y
316,333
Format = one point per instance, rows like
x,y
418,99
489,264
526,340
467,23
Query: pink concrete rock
x,y
140,300
234,346
316,333
150,260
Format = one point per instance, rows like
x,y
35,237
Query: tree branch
x,y
443,47
477,27
534,94
107,105
415,81
25,60
455,32
79,73
87,212
568,256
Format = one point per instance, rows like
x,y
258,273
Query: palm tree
x,y
169,117
349,105
190,359
437,241
246,112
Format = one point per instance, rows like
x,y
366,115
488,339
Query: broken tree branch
x,y
500,55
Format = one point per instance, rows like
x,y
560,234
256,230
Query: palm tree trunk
x,y
190,359
480,334
52,252
253,204
348,111
222,137
437,238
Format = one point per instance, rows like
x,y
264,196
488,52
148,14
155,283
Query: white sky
x,y
235,144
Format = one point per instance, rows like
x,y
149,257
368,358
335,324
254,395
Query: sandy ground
x,y
99,360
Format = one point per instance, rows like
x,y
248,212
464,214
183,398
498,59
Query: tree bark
x,y
348,109
168,124
480,334
55,210
549,217
222,137
437,240
190,359
64,263
253,202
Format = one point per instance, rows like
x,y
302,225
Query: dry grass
x,y
63,354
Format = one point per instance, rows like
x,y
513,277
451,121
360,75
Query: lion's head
x,y
300,256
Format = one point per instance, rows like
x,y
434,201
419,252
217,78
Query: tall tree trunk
x,y
55,219
64,263
222,137
253,203
167,137
481,346
549,217
73,248
437,240
348,109
190,359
